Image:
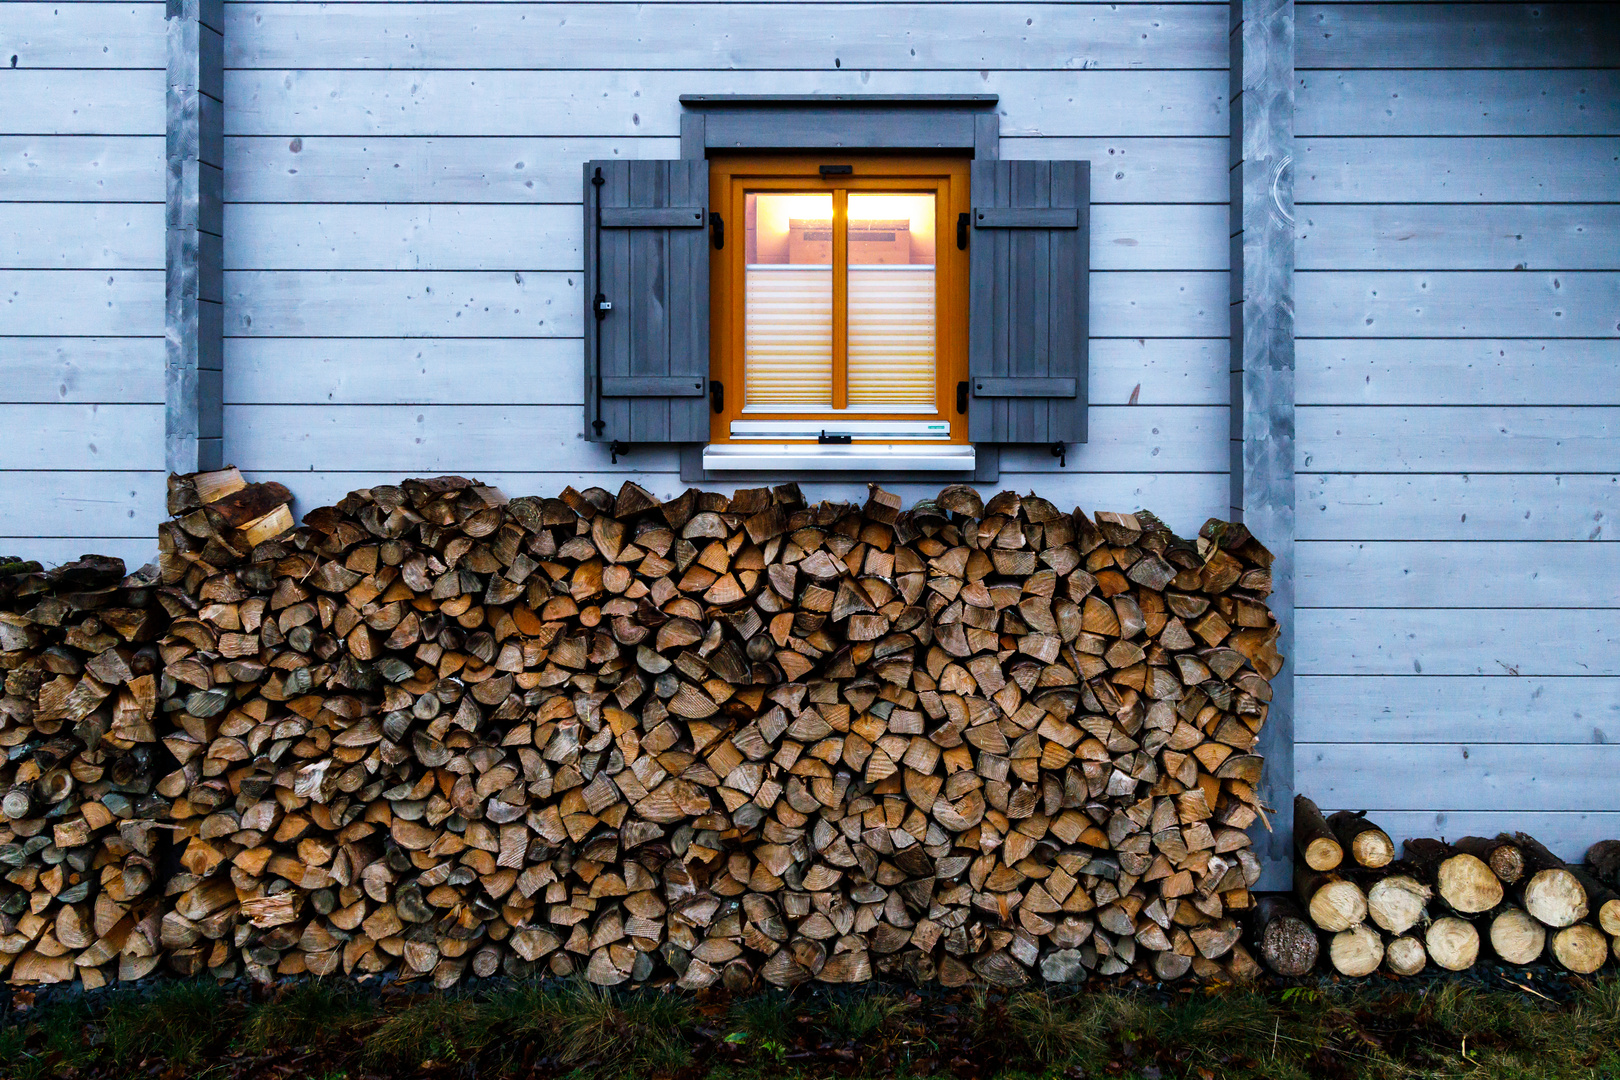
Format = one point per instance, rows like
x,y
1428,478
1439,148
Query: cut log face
x,y
1398,903
1313,838
1554,896
1406,956
1357,951
1581,948
1516,937
1286,941
1452,943
437,732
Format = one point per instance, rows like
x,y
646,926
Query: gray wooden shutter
x,y
646,301
1029,319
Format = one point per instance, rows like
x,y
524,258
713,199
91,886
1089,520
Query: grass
x,y
1543,1027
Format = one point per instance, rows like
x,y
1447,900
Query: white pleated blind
x,y
891,335
787,335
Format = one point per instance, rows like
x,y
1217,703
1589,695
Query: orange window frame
x,y
730,181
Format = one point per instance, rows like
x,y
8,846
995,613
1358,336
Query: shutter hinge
x,y
601,305
1061,452
961,398
962,222
717,230
832,440
717,395
615,448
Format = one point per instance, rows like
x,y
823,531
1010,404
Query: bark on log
x,y
1367,845
1313,838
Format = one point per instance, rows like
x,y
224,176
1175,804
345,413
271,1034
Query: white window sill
x,y
856,457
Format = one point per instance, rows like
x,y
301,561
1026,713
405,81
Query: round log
x,y
1356,952
1516,937
1366,843
1333,903
1581,948
1452,943
1604,859
1463,881
1500,853
1406,956
1398,902
1555,897
1313,839
1287,944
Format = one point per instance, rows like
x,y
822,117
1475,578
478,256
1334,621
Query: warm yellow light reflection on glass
x,y
788,301
891,300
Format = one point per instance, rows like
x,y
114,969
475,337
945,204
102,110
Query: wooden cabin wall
x,y
1456,180
81,279
403,229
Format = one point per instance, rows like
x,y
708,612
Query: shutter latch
x,y
717,395
1061,452
601,305
717,230
616,448
962,223
961,398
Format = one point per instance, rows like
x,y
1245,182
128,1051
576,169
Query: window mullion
x,y
840,274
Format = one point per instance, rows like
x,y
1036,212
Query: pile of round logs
x,y
1447,903
438,732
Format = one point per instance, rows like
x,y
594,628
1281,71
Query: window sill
x,y
858,457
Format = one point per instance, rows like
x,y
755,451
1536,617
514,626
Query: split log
x,y
1464,882
1368,845
1286,942
1315,841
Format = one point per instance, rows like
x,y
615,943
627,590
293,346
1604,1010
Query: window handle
x,y
717,395
961,398
717,229
833,440
962,222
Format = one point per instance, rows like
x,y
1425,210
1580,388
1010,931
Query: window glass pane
x,y
891,300
788,299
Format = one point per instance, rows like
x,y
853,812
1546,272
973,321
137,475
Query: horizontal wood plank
x,y
1457,574
685,36
1457,304
136,551
1429,709
1430,103
1452,35
82,168
1425,170
523,303
1431,641
56,102
80,236
1357,439
1456,371
1136,170
126,303
1458,776
110,35
410,371
119,437
1567,834
83,370
611,104
83,504
458,438
1381,506
1464,237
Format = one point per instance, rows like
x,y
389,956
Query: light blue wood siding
x,y
403,230
1459,436
81,279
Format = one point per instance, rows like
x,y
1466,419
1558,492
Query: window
x,y
838,299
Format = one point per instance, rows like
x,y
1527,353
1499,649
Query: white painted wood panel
x,y
536,438
124,437
136,551
1567,834
326,303
88,302
79,35
1406,35
1459,776
81,168
1456,439
542,371
82,103
83,370
297,236
1448,709
1378,506
1456,371
1464,237
682,36
1442,303
1446,574
1428,170
80,236
83,504
619,103
1429,641
1430,103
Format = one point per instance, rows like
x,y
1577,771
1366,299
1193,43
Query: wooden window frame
x,y
731,177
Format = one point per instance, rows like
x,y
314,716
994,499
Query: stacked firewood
x,y
1450,903
437,732
79,840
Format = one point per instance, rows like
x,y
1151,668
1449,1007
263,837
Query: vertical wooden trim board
x,y
194,290
1262,364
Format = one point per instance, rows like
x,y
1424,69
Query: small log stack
x,y
438,732
1451,903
